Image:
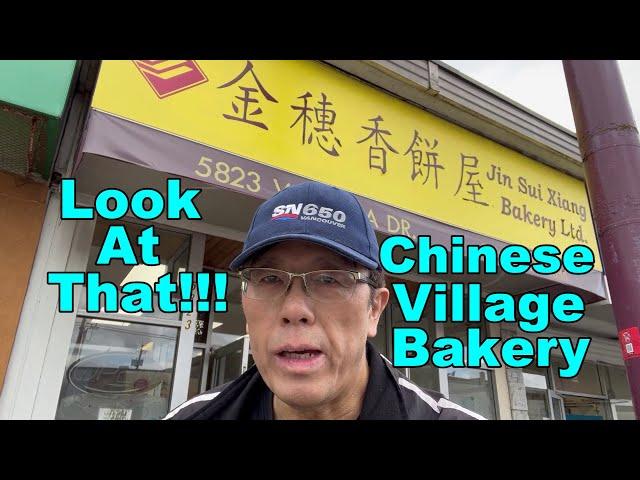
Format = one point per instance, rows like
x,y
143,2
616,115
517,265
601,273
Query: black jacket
x,y
389,396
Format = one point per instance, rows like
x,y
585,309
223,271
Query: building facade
x,y
34,106
427,150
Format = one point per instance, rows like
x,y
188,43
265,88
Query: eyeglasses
x,y
320,285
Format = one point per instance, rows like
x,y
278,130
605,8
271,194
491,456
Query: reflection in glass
x,y
616,382
536,384
619,391
227,327
472,389
536,377
426,377
624,410
118,370
197,363
587,381
584,408
226,364
230,325
538,404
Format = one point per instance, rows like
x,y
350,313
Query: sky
x,y
540,84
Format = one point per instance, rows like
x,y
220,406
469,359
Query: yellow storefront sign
x,y
311,120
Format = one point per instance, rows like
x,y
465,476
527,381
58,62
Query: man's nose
x,y
296,305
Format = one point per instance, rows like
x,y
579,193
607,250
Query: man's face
x,y
333,334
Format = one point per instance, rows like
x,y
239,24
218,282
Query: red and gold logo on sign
x,y
167,77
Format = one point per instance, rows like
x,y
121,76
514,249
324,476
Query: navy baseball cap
x,y
317,213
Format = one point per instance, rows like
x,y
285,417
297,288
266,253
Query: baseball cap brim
x,y
347,252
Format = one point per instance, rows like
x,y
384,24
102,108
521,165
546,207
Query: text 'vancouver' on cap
x,y
317,213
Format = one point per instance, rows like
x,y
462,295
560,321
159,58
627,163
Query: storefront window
x,y
459,330
618,391
587,381
616,382
585,408
227,332
536,387
472,388
230,325
118,370
427,375
227,363
623,410
538,405
195,379
121,365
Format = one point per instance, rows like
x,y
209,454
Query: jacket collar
x,y
382,398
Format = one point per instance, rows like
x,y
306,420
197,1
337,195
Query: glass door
x,y
128,366
223,341
230,361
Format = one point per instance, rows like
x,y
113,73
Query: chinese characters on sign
x,y
377,154
316,120
419,160
469,165
247,99
324,117
307,119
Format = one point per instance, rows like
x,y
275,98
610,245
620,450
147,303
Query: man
x,y
312,294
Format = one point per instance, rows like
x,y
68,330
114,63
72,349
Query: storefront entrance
x,y
117,365
124,366
121,365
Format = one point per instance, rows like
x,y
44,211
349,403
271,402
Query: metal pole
x,y
610,149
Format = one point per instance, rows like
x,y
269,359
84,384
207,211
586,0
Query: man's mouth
x,y
299,354
300,358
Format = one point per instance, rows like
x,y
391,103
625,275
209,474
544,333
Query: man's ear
x,y
380,300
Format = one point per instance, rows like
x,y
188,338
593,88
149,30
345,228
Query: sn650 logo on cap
x,y
310,211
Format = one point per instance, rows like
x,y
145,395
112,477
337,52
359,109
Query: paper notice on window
x,y
114,414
